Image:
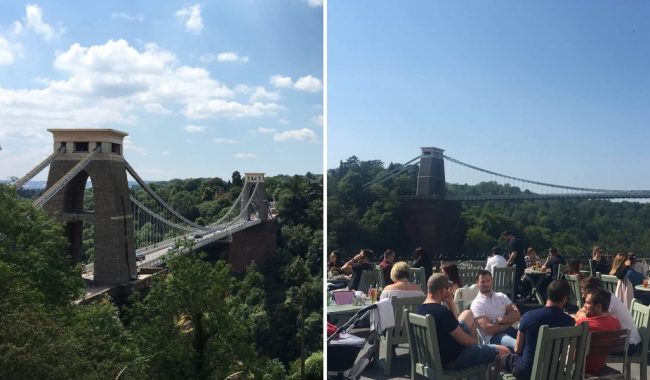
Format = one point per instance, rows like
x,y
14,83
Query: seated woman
x,y
401,286
574,269
451,270
333,265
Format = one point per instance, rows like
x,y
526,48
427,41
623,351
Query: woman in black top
x,y
422,260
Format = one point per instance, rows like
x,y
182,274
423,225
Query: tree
x,y
236,179
189,325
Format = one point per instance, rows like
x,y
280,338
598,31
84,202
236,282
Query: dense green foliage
x,y
198,321
369,216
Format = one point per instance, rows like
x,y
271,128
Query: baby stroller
x,y
348,355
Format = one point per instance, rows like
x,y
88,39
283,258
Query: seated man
x,y
596,306
494,313
521,362
495,261
357,265
456,338
616,308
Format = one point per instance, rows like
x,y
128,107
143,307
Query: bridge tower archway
x,y
260,202
114,241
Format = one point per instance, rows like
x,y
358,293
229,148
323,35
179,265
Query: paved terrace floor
x,y
401,364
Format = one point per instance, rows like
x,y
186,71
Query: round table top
x,y
640,287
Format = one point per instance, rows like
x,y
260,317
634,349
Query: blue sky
x,y
546,90
203,88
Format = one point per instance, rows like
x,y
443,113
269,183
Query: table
x,y
342,311
641,288
537,278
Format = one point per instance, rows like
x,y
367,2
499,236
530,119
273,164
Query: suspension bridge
x,y
131,230
432,182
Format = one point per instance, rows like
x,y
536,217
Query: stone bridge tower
x,y
431,175
112,218
260,202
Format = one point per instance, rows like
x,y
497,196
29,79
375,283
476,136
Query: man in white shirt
x,y
495,261
494,314
616,309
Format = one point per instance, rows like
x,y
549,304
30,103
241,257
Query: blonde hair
x,y
618,261
399,271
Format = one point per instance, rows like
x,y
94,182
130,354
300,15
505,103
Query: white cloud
x,y
260,94
244,156
263,130
306,83
194,128
34,20
280,81
297,134
234,110
224,141
191,17
318,120
309,83
127,17
315,3
8,51
230,56
156,108
17,28
112,84
284,122
129,146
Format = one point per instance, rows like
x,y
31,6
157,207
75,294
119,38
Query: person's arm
x,y
512,315
489,327
347,267
519,344
513,258
462,338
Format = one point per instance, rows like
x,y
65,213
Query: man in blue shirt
x,y
521,362
456,339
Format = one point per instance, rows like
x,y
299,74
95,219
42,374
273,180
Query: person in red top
x,y
596,306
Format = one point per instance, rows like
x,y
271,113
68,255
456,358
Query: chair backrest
x,y
368,278
423,346
560,353
608,342
468,275
401,306
561,268
464,296
640,314
592,268
609,282
576,297
503,280
416,276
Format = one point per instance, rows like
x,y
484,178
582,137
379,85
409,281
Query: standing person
x,y
494,313
521,362
599,263
422,260
516,252
456,338
357,265
386,265
495,261
598,319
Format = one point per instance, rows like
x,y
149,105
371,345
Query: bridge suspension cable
x,y
149,190
392,173
46,196
526,180
32,173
